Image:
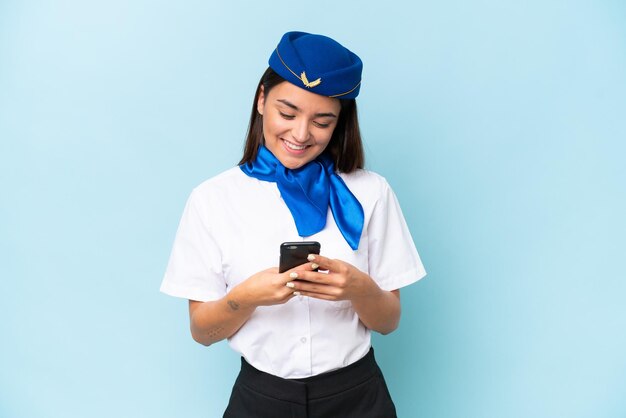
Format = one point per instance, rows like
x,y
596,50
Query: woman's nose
x,y
300,131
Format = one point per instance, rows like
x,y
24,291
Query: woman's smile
x,y
295,148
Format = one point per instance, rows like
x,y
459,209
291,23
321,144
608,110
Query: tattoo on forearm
x,y
234,305
215,332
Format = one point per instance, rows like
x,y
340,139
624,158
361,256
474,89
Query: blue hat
x,y
318,64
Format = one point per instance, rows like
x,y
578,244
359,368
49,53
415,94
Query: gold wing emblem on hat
x,y
306,81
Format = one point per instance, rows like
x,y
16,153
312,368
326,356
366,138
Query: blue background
x,y
500,125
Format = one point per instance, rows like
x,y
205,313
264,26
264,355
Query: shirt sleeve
x,y
194,270
393,259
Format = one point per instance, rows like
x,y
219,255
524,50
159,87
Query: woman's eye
x,y
286,116
322,125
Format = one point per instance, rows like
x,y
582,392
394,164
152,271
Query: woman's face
x,y
297,124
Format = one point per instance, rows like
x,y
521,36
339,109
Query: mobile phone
x,y
293,254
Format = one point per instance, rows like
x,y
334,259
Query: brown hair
x,y
345,146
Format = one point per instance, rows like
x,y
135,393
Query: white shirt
x,y
232,228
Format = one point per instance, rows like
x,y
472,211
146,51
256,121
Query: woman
x,y
304,335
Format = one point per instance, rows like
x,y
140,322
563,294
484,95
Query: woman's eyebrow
x,y
289,104
297,109
325,115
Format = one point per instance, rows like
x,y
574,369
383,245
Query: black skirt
x,y
358,390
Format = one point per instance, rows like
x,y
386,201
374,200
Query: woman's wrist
x,y
371,291
239,299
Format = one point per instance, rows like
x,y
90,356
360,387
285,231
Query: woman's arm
x,y
378,309
214,321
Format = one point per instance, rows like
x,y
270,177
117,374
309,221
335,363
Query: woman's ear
x,y
260,104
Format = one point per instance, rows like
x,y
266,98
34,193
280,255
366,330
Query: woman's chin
x,y
292,163
293,159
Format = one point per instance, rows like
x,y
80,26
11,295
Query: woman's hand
x,y
378,309
342,281
267,287
215,320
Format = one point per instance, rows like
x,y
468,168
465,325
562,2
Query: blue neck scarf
x,y
308,191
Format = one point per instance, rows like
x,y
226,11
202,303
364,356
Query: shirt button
x,y
303,340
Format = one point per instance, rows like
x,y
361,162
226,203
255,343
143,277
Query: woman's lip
x,y
293,151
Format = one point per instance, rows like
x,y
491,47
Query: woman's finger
x,y
323,263
316,295
302,267
318,288
297,273
311,276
